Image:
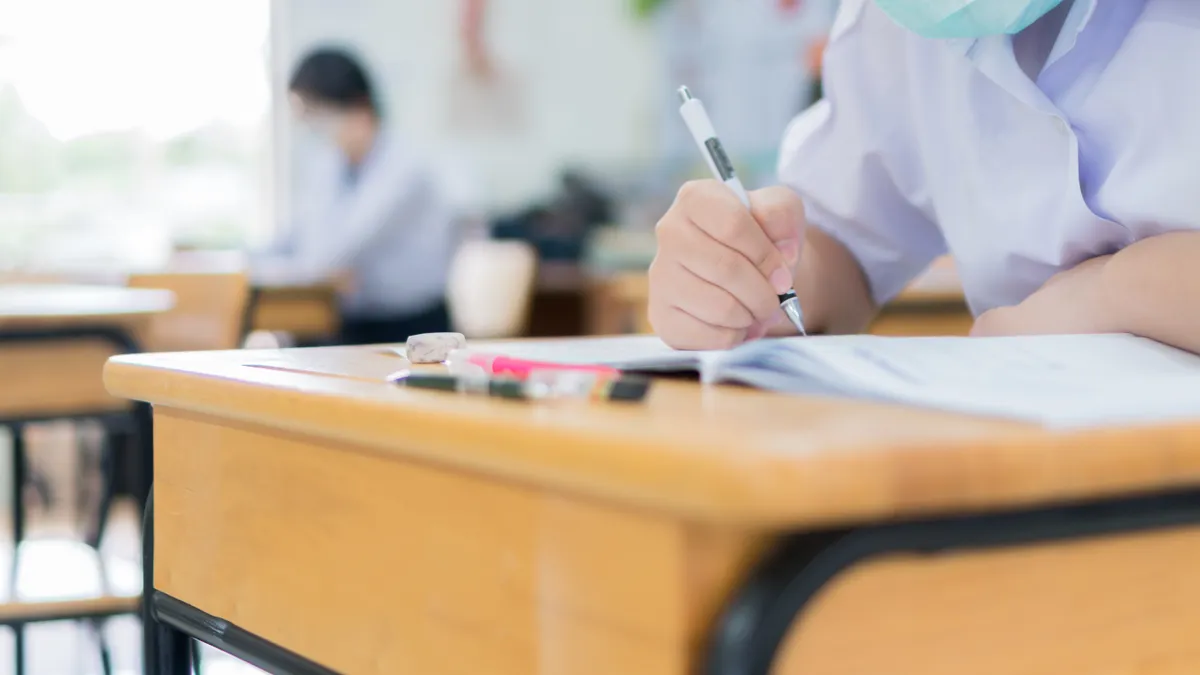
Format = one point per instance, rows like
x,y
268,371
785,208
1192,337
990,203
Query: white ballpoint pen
x,y
702,130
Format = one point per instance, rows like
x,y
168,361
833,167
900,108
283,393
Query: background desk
x,y
331,518
932,305
54,341
308,311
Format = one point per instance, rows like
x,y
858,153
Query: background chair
x,y
209,311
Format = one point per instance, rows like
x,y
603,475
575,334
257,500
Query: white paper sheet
x,y
1065,380
1055,380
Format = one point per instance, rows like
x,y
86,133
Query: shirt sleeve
x,y
393,193
851,158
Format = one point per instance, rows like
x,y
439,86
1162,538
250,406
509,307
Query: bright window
x,y
130,126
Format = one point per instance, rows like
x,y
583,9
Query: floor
x,y
61,566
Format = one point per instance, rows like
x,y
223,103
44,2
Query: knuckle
x,y
688,193
726,227
655,314
727,266
694,190
779,210
665,225
765,307
774,212
728,339
766,258
670,235
659,286
731,313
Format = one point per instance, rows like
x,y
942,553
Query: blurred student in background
x,y
370,208
1051,146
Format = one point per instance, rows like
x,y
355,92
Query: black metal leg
x,y
752,627
167,651
196,666
102,644
113,443
18,531
143,417
19,649
18,488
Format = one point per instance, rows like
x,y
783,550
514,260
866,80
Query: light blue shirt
x,y
387,222
923,147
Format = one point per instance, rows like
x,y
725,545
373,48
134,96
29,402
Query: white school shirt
x,y
922,147
388,222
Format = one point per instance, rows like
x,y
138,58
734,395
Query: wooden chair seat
x,y
60,579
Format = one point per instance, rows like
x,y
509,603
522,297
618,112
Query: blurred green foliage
x,y
645,8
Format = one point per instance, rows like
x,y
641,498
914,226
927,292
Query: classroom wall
x,y
579,70
592,85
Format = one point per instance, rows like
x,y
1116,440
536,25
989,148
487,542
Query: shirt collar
x,y
1077,20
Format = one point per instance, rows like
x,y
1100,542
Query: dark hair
x,y
333,77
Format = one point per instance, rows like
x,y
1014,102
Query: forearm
x,y
1152,289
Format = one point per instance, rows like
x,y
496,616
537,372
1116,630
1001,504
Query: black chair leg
x,y
112,444
18,531
19,649
97,627
18,491
196,669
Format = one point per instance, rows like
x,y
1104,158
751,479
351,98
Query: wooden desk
x,y
53,336
306,512
307,311
932,305
617,304
54,341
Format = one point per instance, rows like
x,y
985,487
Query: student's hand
x,y
720,268
1071,302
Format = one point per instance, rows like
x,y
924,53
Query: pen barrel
x,y
701,128
735,184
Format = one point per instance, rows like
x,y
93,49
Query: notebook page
x,y
1050,379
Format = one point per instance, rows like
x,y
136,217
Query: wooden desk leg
x,y
751,637
167,650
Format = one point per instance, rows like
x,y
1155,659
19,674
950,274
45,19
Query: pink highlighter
x,y
496,364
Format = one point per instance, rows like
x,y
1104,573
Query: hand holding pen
x,y
726,259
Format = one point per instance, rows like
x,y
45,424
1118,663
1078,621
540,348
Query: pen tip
x,y
791,307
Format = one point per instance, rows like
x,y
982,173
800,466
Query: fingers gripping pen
x,y
710,146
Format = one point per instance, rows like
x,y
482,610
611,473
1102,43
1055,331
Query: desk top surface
x,y
716,453
23,304
183,262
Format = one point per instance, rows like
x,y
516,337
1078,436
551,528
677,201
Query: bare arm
x,y
832,288
1150,288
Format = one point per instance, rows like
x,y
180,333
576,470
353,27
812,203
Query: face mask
x,y
965,18
326,126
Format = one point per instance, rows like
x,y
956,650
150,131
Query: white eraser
x,y
433,347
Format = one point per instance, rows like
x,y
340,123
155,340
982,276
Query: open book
x,y
1061,380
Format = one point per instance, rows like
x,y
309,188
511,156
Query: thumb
x,y
780,213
